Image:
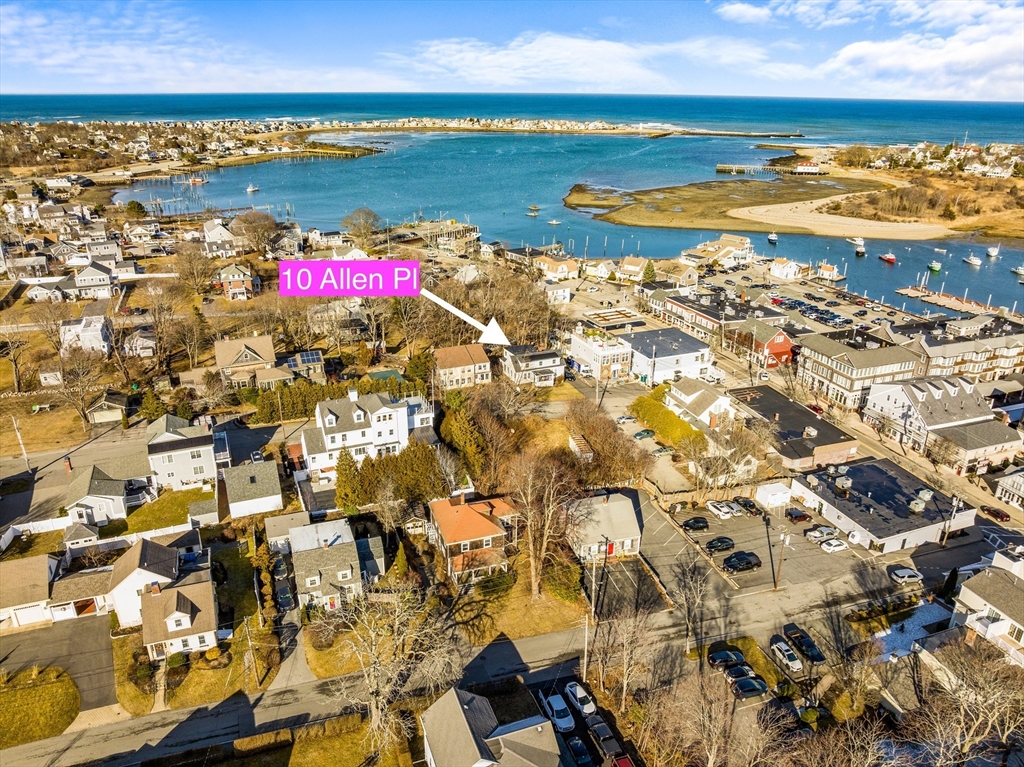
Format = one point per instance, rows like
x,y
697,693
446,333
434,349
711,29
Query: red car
x,y
815,408
999,514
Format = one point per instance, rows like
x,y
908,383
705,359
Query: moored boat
x,y
935,266
554,222
532,214
993,251
252,188
973,260
855,240
860,250
889,258
773,238
534,207
1018,270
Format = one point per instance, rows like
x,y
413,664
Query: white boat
x,y
1018,270
940,250
554,222
532,214
860,250
856,241
534,207
773,238
935,266
993,251
973,260
252,188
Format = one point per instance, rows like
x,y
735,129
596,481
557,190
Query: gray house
x,y
609,527
329,564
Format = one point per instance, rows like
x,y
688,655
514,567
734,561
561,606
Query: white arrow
x,y
491,333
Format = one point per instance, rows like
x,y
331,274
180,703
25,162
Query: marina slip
x,y
347,278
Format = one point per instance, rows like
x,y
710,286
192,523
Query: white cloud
x,y
744,13
142,47
820,14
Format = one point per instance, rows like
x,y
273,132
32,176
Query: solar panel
x,y
291,363
309,358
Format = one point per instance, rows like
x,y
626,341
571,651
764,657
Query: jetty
x,y
800,169
961,304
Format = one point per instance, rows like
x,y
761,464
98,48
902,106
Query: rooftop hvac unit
x,y
844,483
831,469
810,432
925,494
812,481
842,469
916,506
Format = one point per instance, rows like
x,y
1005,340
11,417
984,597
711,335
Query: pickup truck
x,y
802,641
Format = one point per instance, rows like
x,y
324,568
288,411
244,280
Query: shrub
x,y
248,395
563,579
271,657
143,671
177,660
496,585
175,676
115,624
195,656
228,534
213,653
265,741
670,428
338,725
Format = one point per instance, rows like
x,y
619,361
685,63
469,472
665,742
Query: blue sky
x,y
911,49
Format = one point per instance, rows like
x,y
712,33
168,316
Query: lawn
x,y
56,429
34,709
171,508
515,615
131,698
869,627
563,391
345,750
336,661
543,435
757,660
40,543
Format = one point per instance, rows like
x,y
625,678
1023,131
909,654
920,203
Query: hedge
x,y
669,428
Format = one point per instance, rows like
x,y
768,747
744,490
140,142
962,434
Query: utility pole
x,y
21,444
586,635
771,556
778,576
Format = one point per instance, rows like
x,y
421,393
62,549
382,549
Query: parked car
x,y
695,523
579,752
663,450
603,736
592,289
721,543
719,509
995,513
579,699
834,545
815,408
763,376
741,671
285,600
905,576
726,659
748,688
785,655
734,508
570,376
802,641
257,456
626,419
822,533
644,434
558,712
280,568
795,515
741,561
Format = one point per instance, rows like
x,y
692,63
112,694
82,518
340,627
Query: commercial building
x,y
609,357
980,348
708,316
881,506
667,354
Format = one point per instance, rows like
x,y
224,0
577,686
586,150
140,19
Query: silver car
x,y
905,576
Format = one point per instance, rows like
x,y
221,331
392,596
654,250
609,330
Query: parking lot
x,y
622,586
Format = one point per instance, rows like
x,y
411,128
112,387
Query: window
x,y
313,581
195,455
487,543
344,575
464,546
1016,633
333,439
202,640
184,643
391,432
167,459
198,470
177,623
330,456
169,475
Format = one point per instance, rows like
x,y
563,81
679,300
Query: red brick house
x,y
766,345
237,281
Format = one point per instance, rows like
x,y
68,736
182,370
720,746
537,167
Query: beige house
x,y
181,618
244,361
459,367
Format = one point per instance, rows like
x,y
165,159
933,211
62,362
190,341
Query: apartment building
x,y
459,367
980,348
708,316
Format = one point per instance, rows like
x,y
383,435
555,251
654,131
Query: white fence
x,y
62,523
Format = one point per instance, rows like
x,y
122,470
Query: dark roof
x,y
720,309
146,555
664,342
82,585
880,496
1001,589
792,418
114,399
974,436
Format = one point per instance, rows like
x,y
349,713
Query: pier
x,y
781,170
961,304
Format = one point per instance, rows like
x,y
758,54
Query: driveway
x,y
80,646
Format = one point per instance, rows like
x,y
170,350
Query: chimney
x,y
605,500
67,464
154,589
461,499
713,420
353,395
326,543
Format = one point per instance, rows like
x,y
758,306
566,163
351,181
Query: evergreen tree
x,y
134,209
152,406
399,568
417,475
124,420
459,431
420,365
346,494
649,274
184,411
950,585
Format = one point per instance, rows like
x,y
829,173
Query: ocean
x,y
490,179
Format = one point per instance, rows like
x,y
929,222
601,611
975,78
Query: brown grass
x,y
543,435
131,698
34,709
40,543
336,661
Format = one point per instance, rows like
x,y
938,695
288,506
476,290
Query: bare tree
x,y
362,225
48,316
545,498
942,452
409,312
213,392
80,372
603,646
451,468
505,398
707,717
390,509
13,347
376,312
392,640
860,742
694,585
163,306
193,267
262,315
294,313
256,228
660,730
122,329
636,649
193,335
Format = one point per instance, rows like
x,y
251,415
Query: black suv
x,y
748,505
720,544
802,641
695,523
741,561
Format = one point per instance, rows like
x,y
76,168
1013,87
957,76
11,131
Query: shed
x,y
772,496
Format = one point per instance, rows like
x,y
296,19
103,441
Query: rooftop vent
x,y
842,469
916,506
844,484
831,469
925,494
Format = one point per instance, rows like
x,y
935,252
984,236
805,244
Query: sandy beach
x,y
802,215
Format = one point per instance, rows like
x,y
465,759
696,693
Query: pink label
x,y
349,278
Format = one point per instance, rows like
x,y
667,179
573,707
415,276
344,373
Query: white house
x,y
880,506
181,618
689,398
631,268
141,343
135,573
992,603
784,269
527,365
215,231
253,488
667,354
25,590
609,527
367,425
91,334
557,268
556,292
1010,488
601,269
609,357
180,455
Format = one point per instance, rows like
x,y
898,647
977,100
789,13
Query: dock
x,y
779,170
955,303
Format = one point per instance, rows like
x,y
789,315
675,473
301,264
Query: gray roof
x,y
252,481
314,441
202,508
344,411
456,727
1001,589
974,436
608,516
171,424
664,342
762,332
80,532
196,599
307,537
24,580
181,540
880,496
92,480
946,400
278,526
371,555
857,358
322,550
146,555
83,585
111,399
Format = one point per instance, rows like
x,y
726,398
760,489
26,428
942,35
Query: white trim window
x,y
313,581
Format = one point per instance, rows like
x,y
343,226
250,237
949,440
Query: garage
x,y
26,589
24,616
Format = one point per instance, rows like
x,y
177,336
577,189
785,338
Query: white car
x,y
257,456
834,545
579,699
626,419
592,289
558,713
773,294
821,534
786,656
719,509
905,576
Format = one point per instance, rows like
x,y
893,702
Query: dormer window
x,y
358,416
331,419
